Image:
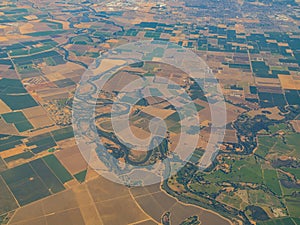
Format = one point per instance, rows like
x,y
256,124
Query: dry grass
x,y
4,108
288,82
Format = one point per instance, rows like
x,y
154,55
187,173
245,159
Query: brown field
x,y
34,112
73,216
6,128
139,132
147,222
55,76
296,125
41,121
270,82
130,212
6,72
72,159
233,112
120,81
230,136
54,93
69,69
37,116
100,201
155,204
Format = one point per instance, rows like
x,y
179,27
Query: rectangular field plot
x,y
63,133
293,205
272,182
41,142
8,142
9,86
58,169
283,221
19,120
7,201
18,102
5,82
23,155
49,179
25,184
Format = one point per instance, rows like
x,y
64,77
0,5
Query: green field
x,y
18,102
81,176
8,142
294,171
19,120
58,169
284,221
261,198
43,142
47,176
25,184
11,86
63,133
293,206
245,169
7,201
272,182
23,155
277,146
208,188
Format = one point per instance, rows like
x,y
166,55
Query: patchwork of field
x,y
102,202
155,202
47,45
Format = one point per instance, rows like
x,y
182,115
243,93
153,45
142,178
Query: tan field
x,y
63,69
7,128
66,25
38,117
14,151
55,76
41,121
156,202
288,82
139,132
273,116
26,28
4,108
157,112
296,125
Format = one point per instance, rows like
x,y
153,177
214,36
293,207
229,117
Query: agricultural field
x,y
9,141
41,143
63,133
252,49
58,169
19,120
21,181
